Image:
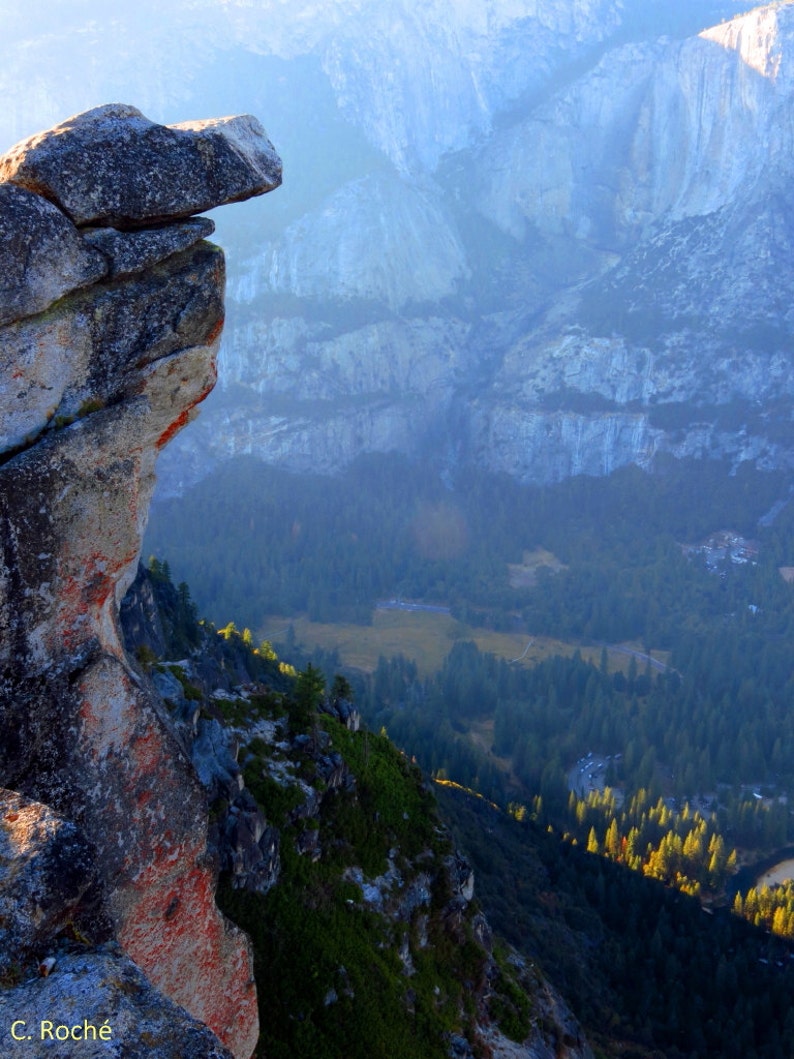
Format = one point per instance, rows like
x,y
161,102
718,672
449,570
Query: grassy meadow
x,y
423,636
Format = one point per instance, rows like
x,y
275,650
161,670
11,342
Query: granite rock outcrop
x,y
111,166
99,1005
108,344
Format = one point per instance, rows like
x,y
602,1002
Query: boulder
x,y
42,256
460,876
249,848
168,687
214,761
112,167
48,880
344,711
63,1014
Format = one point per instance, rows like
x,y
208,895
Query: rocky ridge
x,y
109,340
370,941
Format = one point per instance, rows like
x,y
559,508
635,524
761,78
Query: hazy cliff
x,y
594,274
690,213
515,211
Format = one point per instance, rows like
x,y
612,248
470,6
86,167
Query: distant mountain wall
x,y
537,237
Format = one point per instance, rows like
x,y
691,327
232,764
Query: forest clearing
x,y
424,637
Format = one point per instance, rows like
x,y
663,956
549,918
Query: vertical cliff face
x,y
112,307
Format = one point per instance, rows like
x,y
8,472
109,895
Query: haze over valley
x,y
518,236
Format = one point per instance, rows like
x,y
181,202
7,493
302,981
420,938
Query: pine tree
x,y
612,843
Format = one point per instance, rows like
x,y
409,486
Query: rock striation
x,y
111,308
